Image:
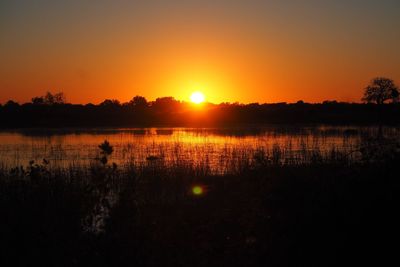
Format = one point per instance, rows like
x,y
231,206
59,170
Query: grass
x,y
260,210
216,147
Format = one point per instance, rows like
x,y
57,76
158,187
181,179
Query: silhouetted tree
x,y
380,90
49,99
11,104
330,102
168,111
38,100
110,103
166,104
138,101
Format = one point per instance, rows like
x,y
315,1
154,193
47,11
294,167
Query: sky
x,y
232,51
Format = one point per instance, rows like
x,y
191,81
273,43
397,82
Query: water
x,y
216,147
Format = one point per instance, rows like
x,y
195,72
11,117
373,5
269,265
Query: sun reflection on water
x,y
214,148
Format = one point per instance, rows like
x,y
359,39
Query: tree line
x,y
52,110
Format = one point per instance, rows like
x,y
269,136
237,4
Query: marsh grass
x,y
259,207
213,146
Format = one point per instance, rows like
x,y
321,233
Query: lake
x,y
214,147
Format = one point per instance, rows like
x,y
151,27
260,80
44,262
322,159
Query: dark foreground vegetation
x,y
170,112
330,212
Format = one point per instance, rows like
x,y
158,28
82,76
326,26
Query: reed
x,y
255,206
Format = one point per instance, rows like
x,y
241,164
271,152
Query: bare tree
x,y
59,98
49,99
380,90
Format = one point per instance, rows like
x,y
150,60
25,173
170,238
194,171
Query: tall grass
x,y
214,146
258,207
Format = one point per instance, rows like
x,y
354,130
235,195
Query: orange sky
x,y
230,50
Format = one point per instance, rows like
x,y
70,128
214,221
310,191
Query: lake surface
x,y
215,147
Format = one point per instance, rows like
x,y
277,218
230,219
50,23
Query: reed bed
x,y
257,206
293,144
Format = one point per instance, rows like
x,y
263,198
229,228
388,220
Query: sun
x,y
197,97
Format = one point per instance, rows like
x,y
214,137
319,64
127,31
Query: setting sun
x,y
197,97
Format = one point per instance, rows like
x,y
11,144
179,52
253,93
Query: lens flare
x,y
197,190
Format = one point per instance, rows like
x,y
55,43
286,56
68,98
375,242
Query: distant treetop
x,y
138,101
49,99
380,90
